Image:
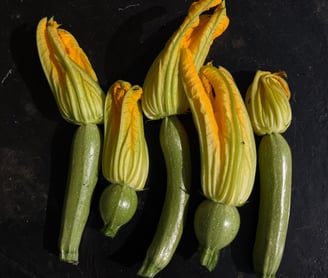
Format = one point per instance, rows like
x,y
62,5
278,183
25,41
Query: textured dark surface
x,y
121,39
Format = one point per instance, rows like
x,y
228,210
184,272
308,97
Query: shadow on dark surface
x,y
243,80
242,246
128,56
60,157
25,54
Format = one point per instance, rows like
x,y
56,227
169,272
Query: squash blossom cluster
x,y
177,80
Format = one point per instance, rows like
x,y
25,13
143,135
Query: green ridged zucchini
x,y
275,168
82,178
175,147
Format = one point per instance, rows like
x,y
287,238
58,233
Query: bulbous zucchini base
x,y
215,225
117,205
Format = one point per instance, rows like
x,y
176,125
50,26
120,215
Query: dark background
x,y
121,38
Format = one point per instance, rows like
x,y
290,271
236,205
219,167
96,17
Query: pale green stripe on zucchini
x,y
175,147
275,168
82,178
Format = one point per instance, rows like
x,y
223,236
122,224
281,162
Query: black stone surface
x,y
121,38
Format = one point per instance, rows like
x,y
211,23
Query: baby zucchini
x,y
216,225
275,167
175,146
83,176
117,205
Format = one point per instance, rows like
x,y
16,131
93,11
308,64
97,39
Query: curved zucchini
x,y
175,146
82,178
275,167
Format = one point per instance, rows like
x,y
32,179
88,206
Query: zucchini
x,y
275,168
215,225
175,147
82,178
117,205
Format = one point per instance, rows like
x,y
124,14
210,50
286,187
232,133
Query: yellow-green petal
x,y
163,90
267,102
210,27
227,145
70,75
125,152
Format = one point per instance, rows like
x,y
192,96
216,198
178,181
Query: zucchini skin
x,y
82,178
175,147
275,168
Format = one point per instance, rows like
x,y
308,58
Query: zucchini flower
x,y
267,102
226,137
80,101
163,91
70,74
228,156
125,158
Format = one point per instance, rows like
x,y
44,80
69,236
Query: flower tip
x,y
69,73
267,101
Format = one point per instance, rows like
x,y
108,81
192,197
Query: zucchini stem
x,y
209,257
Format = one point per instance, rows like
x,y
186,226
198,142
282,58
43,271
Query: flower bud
x,y
125,153
267,102
70,75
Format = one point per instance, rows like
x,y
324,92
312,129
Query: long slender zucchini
x,y
175,146
275,166
83,176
